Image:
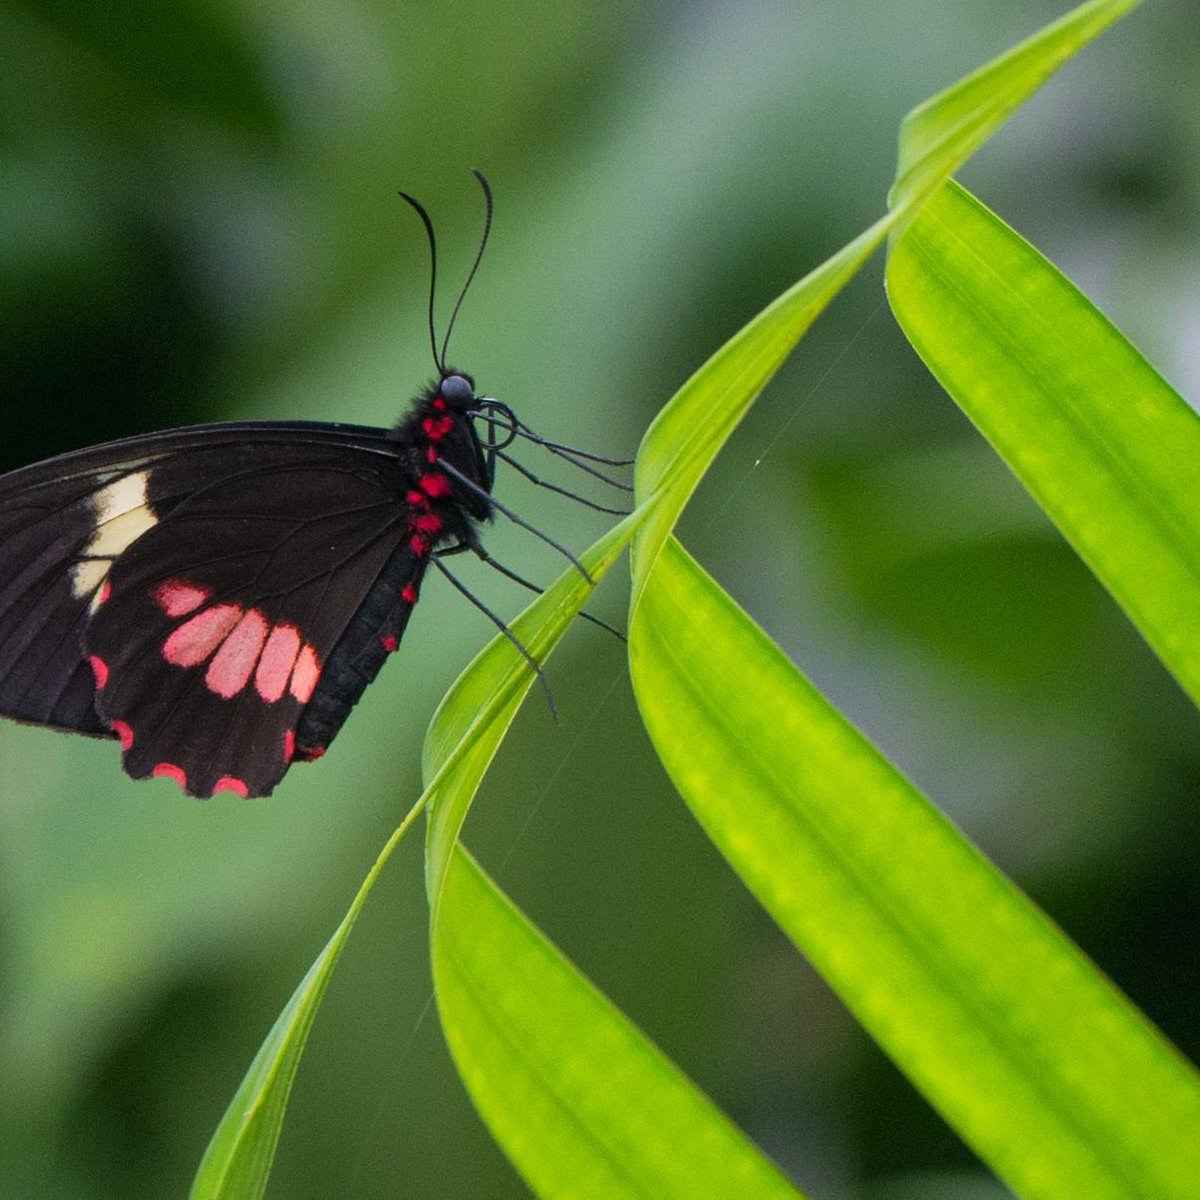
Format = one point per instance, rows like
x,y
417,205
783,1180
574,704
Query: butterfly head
x,y
458,391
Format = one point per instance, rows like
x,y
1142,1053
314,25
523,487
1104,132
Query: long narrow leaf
x,y
1030,1053
580,1100
1108,449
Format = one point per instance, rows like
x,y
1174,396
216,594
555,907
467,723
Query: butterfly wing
x,y
182,591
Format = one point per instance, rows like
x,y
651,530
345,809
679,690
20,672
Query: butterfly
x,y
217,598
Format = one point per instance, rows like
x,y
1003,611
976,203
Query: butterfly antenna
x,y
420,210
483,241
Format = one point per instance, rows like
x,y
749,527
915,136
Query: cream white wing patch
x,y
121,513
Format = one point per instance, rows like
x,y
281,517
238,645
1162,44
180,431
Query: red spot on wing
x,y
195,640
275,665
389,643
124,733
230,783
178,597
99,669
233,664
289,746
104,593
409,594
305,674
428,523
434,484
166,770
309,753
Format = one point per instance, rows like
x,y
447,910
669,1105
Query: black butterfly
x,y
217,598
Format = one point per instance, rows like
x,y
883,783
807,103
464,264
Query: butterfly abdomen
x,y
372,635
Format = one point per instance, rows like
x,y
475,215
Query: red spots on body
x,y
124,733
305,674
99,670
289,746
436,428
427,523
435,485
409,594
275,664
230,783
417,499
389,643
165,770
234,662
419,544
195,640
439,403
178,597
431,455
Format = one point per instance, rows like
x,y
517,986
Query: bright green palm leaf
x,y
1023,1045
1108,449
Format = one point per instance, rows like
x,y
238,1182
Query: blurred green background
x,y
198,221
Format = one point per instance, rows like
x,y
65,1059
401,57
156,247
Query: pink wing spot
x,y
104,593
233,664
309,753
275,665
124,732
99,669
170,771
230,783
305,674
409,594
389,643
195,640
289,746
177,597
434,484
428,523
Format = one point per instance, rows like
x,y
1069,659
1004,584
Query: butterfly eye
x,y
457,390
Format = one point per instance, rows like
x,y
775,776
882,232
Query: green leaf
x,y
580,1100
239,1156
940,134
1027,1050
936,139
1106,447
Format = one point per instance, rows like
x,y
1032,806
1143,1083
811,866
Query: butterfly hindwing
x,y
183,593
